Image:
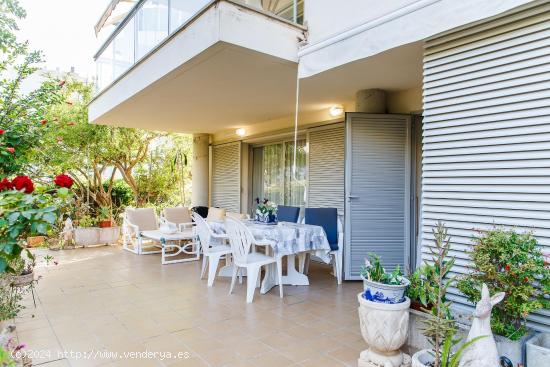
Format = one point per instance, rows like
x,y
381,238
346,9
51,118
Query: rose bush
x,y
24,213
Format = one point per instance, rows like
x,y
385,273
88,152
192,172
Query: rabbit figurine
x,y
483,353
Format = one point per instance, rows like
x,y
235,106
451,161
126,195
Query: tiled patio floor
x,y
109,300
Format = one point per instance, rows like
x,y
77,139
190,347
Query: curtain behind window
x,y
272,173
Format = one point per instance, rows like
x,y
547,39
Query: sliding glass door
x,y
273,176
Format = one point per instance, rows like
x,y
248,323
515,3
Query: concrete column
x,y
370,101
200,169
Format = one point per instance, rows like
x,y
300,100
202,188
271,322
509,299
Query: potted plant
x,y
85,234
512,263
383,315
380,286
23,270
439,326
266,211
104,219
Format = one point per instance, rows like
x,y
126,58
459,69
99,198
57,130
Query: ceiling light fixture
x,y
240,131
336,110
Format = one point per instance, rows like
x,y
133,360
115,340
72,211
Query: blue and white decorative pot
x,y
266,217
385,293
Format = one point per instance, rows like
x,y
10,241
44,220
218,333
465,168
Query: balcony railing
x,y
152,21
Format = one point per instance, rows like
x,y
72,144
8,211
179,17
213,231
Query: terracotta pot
x,y
105,223
35,241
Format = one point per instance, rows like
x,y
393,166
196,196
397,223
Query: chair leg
x,y
234,278
306,265
280,275
241,275
252,273
213,261
338,264
203,270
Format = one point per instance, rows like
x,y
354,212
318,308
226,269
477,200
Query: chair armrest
x,y
183,226
133,228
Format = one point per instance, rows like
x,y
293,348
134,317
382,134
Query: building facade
x,y
409,111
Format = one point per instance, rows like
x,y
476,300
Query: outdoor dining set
x,y
245,245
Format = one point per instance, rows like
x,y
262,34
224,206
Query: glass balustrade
x,y
152,21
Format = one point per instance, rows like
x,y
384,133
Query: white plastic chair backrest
x,y
203,231
144,218
240,238
177,215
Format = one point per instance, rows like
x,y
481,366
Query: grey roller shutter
x,y
486,152
226,177
326,167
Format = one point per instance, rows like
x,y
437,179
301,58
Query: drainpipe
x,y
199,170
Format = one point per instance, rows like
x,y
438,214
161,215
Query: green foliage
x,y
512,263
10,12
439,326
373,270
10,298
24,215
121,193
424,287
5,358
447,357
86,221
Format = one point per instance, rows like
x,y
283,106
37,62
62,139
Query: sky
x,y
64,31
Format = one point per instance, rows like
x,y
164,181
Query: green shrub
x,y
512,263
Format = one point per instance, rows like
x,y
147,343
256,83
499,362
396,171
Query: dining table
x,y
282,239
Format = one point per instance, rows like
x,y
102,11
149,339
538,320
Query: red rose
x,y
507,267
61,83
23,183
5,184
526,279
43,122
11,150
63,181
2,132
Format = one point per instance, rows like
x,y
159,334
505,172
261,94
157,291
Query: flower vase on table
x,y
266,211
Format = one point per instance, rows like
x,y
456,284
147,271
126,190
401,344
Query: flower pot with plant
x,y
381,286
85,234
23,270
512,263
266,211
439,327
105,219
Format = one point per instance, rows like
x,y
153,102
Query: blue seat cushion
x,y
288,213
326,218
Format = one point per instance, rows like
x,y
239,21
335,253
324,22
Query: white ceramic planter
x,y
422,358
385,293
86,236
384,328
538,350
109,235
514,350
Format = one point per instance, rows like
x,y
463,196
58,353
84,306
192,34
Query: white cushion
x,y
177,215
216,214
144,218
237,216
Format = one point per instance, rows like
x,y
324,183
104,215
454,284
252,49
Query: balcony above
x,y
225,55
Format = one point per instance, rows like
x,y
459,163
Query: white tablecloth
x,y
286,238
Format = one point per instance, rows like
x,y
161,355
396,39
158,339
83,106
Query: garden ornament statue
x,y
483,353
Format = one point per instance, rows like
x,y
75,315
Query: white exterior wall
x,y
486,151
396,23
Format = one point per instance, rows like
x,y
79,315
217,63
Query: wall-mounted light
x,y
336,110
240,131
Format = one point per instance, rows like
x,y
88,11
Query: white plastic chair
x,y
241,240
135,221
211,252
179,217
